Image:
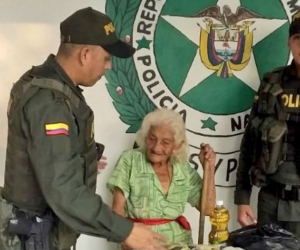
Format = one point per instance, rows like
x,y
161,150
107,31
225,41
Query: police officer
x,y
51,159
270,149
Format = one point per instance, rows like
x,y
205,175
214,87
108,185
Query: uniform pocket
x,y
89,136
64,236
272,134
7,242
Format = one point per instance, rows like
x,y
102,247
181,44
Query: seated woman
x,y
153,183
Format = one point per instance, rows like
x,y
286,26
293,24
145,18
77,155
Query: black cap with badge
x,y
91,27
295,24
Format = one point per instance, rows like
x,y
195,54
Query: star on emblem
x,y
143,43
224,18
209,123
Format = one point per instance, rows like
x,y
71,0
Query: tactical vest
x,y
19,174
270,122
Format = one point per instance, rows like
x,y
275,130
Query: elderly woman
x,y
153,184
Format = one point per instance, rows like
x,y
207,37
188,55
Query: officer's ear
x,y
85,55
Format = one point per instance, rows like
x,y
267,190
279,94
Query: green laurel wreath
x,y
123,85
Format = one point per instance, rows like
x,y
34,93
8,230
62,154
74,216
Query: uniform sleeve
x,y
195,184
121,174
243,187
52,133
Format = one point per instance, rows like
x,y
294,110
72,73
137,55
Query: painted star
x,y
209,123
143,43
249,75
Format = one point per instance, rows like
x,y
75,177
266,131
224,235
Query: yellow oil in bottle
x,y
219,225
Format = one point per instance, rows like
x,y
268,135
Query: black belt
x,y
284,192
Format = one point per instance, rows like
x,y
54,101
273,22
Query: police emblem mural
x,y
203,59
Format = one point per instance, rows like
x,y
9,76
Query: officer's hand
x,y
101,163
244,213
142,237
207,153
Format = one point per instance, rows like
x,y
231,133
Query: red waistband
x,y
181,220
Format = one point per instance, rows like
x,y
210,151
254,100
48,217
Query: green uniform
x,y
51,161
145,199
279,196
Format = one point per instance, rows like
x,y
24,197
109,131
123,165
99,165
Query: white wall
x,y
29,31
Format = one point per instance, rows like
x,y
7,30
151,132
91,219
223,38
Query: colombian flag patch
x,y
57,129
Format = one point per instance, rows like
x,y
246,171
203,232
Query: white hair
x,y
172,119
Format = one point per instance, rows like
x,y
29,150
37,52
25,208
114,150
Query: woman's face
x,y
160,144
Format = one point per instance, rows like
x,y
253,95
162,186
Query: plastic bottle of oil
x,y
219,225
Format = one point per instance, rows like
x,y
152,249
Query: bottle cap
x,y
219,203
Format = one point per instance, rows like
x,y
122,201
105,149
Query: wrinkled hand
x,y
245,212
101,163
142,237
207,153
125,247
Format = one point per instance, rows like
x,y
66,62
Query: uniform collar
x,y
61,73
291,71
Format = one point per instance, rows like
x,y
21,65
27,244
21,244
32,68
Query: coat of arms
x,y
226,41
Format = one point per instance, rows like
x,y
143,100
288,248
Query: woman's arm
x,y
118,183
207,154
211,192
119,201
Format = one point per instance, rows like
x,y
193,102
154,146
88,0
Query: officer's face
x,y
160,144
294,45
96,63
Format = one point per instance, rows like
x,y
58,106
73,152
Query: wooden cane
x,y
203,202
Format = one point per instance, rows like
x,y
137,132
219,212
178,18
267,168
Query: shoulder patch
x,y
273,74
278,69
57,129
